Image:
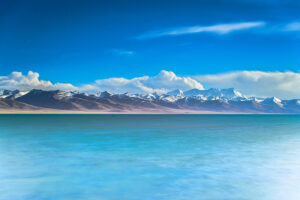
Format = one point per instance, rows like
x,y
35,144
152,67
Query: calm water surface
x,y
149,157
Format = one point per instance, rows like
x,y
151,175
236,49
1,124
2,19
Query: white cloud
x,y
163,82
16,80
284,85
219,29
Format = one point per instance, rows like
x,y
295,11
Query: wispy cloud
x,y
123,52
294,26
218,29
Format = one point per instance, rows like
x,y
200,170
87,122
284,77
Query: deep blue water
x,y
149,157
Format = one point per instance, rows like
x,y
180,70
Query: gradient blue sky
x,y
81,41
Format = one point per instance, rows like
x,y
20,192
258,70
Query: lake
x,y
147,157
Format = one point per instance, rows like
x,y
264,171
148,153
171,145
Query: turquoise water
x,y
149,157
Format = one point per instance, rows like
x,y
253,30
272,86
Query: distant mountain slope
x,y
12,104
47,99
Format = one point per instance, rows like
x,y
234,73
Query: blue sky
x,y
78,41
88,40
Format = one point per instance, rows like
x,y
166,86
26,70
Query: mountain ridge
x,y
214,99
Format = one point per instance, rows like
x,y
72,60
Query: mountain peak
x,y
232,93
105,94
216,93
176,92
273,99
193,92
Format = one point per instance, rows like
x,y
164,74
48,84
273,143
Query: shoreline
x,y
149,112
132,112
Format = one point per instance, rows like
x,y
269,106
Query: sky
x,y
246,44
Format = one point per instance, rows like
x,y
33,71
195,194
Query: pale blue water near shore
x,y
134,157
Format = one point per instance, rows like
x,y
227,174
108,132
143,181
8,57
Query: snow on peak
x,y
12,94
193,92
176,92
5,93
216,93
63,94
105,94
19,94
231,93
273,100
149,97
127,94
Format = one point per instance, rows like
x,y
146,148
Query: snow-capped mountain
x,y
222,100
273,101
12,94
215,93
176,92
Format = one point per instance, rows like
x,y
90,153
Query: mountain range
x,y
214,99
